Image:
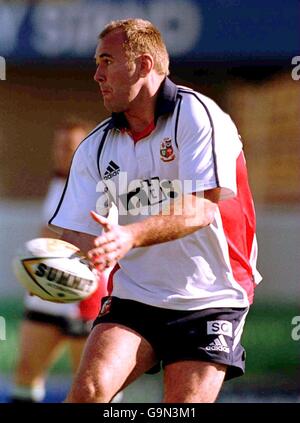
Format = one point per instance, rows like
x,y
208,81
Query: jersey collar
x,y
165,104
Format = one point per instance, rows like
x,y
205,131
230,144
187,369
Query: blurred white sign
x,y
72,28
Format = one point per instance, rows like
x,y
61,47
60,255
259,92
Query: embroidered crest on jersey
x,y
166,150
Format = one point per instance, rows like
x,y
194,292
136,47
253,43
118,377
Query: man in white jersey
x,y
184,251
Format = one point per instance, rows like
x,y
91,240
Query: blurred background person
x,y
48,326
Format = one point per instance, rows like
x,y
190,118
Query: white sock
x,y
31,393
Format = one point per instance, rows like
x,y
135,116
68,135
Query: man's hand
x,y
197,212
111,246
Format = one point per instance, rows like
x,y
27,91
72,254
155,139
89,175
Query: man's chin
x,y
107,105
114,109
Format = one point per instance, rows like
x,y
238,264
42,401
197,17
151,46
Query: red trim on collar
x,y
137,136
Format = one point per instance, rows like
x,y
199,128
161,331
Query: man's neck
x,y
139,121
142,110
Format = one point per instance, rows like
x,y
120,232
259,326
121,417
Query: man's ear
x,y
146,63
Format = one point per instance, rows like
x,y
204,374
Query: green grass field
x,y
267,339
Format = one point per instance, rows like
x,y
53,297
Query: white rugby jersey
x,y
194,147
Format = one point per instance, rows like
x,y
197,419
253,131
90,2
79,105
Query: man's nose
x,y
98,77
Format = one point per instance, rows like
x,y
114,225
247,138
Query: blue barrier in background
x,y
193,29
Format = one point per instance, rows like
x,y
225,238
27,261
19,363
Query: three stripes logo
x,y
218,344
111,170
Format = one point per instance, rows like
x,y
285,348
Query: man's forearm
x,y
171,224
197,213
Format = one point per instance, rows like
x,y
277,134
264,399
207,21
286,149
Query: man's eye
x,y
103,62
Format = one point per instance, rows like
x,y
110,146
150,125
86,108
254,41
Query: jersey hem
x,y
75,227
179,306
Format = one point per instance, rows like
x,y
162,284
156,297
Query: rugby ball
x,y
54,270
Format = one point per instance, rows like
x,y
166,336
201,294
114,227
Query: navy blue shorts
x,y
75,328
211,335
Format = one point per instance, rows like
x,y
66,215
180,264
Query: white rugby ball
x,y
54,270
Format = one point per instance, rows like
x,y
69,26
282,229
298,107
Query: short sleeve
x,y
55,190
84,191
208,145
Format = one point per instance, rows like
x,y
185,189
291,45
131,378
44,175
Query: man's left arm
x,y
197,211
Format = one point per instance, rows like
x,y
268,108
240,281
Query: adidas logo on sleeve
x,y
112,170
